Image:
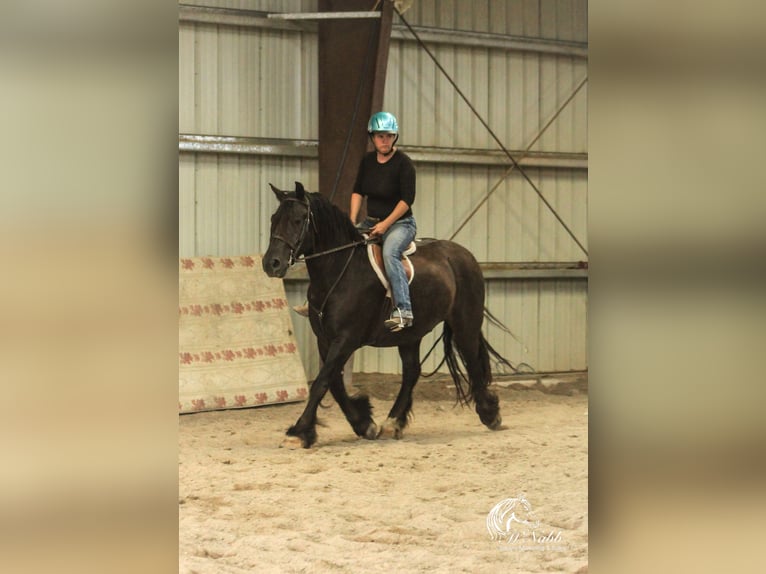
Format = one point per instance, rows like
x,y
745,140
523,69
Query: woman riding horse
x,y
386,177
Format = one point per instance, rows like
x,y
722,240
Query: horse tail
x,y
480,372
462,386
498,357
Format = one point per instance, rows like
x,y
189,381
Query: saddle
x,y
375,254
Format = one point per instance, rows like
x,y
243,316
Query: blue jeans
x,y
395,241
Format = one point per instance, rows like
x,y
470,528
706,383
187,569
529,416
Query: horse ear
x,y
279,193
299,191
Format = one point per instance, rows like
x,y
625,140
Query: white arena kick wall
x,y
236,340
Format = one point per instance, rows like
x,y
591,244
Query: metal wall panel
x,y
551,19
515,94
238,81
226,203
187,206
262,82
513,225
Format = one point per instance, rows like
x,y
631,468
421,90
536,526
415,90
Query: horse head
x,y
290,235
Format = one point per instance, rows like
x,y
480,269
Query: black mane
x,y
333,227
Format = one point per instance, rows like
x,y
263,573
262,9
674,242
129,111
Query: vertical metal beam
x,y
353,55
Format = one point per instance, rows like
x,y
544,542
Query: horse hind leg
x,y
398,417
475,356
485,399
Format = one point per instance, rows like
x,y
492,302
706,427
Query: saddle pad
x,y
381,273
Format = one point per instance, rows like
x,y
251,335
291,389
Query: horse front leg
x,y
398,417
357,409
303,432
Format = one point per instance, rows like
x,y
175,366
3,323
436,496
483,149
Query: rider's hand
x,y
380,228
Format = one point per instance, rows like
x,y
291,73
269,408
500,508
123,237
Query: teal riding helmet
x,y
383,122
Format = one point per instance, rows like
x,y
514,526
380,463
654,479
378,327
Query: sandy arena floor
x,y
419,504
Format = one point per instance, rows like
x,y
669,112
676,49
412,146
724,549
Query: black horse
x,y
347,307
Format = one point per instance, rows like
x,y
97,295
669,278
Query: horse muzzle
x,y
275,265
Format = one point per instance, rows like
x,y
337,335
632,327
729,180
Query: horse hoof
x,y
372,432
292,442
497,424
390,429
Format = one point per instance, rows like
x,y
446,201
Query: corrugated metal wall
x,y
260,81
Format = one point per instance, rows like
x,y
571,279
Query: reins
x,y
333,250
320,311
303,258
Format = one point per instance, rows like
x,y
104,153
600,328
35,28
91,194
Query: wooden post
x,y
353,56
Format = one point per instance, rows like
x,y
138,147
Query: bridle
x,y
310,220
294,247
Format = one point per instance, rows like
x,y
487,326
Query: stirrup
x,y
397,322
302,310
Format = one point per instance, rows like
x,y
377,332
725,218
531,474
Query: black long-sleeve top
x,y
384,184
